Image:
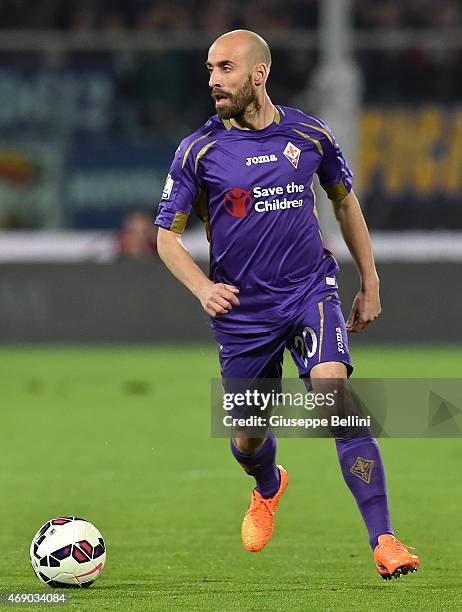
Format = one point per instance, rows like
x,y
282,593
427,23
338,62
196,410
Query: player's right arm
x,y
180,190
216,298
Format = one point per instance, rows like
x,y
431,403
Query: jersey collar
x,y
277,119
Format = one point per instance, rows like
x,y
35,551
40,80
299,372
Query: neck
x,y
255,118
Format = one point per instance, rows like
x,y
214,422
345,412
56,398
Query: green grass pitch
x,y
121,437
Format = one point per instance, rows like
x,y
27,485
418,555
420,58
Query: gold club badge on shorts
x,y
362,468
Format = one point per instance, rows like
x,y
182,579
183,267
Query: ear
x,y
260,74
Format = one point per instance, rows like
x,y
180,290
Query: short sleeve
x,y
180,191
334,173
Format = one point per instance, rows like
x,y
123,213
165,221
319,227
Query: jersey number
x,y
306,346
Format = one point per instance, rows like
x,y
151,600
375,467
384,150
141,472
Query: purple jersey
x,y
253,189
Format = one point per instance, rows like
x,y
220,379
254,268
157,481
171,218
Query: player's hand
x,y
366,308
218,299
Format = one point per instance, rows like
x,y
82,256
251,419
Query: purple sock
x,y
261,465
363,472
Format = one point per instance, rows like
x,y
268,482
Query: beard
x,y
244,100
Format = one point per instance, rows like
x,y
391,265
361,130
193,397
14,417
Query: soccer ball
x,y
68,552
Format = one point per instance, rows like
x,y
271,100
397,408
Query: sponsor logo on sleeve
x,y
166,193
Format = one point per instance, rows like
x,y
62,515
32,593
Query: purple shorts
x,y
316,335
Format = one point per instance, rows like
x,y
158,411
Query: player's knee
x,y
328,370
248,445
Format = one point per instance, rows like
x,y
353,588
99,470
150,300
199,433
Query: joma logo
x,y
261,159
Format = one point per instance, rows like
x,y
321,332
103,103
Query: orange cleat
x,y
393,559
258,523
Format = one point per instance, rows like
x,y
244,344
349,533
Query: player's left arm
x,y
366,305
336,179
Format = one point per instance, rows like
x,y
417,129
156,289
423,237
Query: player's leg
x,y
258,458
361,465
271,481
251,362
358,452
256,454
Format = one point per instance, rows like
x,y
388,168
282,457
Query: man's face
x,y
230,81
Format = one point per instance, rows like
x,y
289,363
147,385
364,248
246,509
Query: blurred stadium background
x,y
96,95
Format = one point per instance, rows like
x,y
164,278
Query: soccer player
x,y
248,172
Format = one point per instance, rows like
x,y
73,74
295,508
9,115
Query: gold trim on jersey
x,y
188,150
319,129
276,119
316,142
201,207
321,328
202,152
179,222
315,209
277,116
336,191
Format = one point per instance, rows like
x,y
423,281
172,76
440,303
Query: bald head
x,y
246,44
238,63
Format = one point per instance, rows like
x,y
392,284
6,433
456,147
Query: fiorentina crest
x,y
293,154
362,468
